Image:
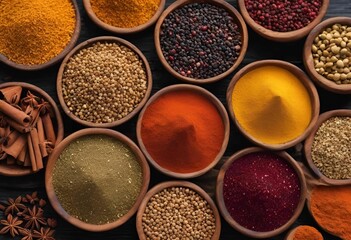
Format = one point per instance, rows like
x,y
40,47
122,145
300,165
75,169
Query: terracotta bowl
x,y
221,111
308,58
56,59
86,44
304,80
51,192
309,141
237,18
282,36
158,188
15,170
119,30
224,211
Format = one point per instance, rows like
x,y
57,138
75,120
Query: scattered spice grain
x,y
178,213
97,179
200,40
33,32
104,82
307,233
331,148
261,191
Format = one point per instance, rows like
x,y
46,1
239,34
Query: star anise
x,y
32,198
52,223
26,233
14,206
44,234
11,225
42,203
35,218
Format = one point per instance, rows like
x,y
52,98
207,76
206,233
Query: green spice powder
x,y
97,179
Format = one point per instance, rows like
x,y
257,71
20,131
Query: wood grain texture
x,y
258,49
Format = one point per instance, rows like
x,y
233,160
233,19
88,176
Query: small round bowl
x,y
282,36
50,188
291,233
221,111
158,188
86,44
309,141
15,170
304,80
237,19
56,59
119,30
224,211
308,58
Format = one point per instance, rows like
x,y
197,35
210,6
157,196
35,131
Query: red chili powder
x,y
182,131
261,191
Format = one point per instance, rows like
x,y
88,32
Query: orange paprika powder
x,y
182,131
307,233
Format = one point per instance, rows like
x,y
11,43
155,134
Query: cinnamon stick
x,y
41,136
22,155
11,94
31,153
35,141
16,125
11,138
14,113
27,161
48,128
16,147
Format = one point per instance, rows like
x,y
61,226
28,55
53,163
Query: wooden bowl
x,y
237,19
308,58
158,188
309,141
15,170
224,211
213,100
56,59
50,188
282,36
86,44
304,80
119,30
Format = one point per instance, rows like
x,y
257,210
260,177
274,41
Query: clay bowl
x,y
308,58
237,18
304,80
158,188
221,111
51,191
224,211
309,141
119,30
86,44
56,59
282,36
15,170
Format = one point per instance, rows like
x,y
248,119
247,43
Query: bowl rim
x,y
50,188
309,141
282,36
15,171
164,185
221,111
119,30
238,20
299,74
220,201
86,44
55,59
308,58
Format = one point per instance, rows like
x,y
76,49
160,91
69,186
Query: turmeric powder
x,y
272,105
307,233
33,32
125,13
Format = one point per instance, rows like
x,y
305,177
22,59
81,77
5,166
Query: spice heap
x,y
200,40
27,134
331,148
261,191
104,82
178,213
331,51
35,31
182,131
25,216
283,15
125,14
97,179
331,208
307,233
272,105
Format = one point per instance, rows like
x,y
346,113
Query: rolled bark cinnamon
x,y
16,147
14,113
22,156
41,136
11,94
11,138
48,128
31,153
16,125
35,141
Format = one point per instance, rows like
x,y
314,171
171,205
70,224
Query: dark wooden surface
x,y
258,49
